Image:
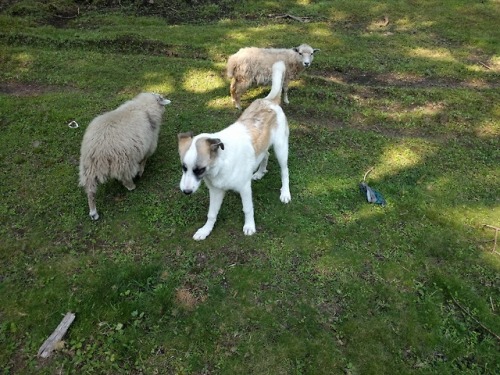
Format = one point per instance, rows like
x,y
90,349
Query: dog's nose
x,y
187,191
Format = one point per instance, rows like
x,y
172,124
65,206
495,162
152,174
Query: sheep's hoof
x,y
94,215
140,173
129,186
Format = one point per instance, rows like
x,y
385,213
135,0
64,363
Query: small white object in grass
x,y
73,124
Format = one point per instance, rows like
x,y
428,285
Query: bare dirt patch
x,y
189,298
399,80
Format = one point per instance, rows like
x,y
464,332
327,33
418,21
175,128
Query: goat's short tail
x,y
279,69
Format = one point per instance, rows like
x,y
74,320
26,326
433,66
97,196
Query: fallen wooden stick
x,y
48,346
300,19
486,66
473,318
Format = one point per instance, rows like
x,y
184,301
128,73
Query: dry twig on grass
x,y
486,66
51,343
473,318
300,19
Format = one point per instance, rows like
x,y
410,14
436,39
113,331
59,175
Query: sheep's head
x,y
306,54
161,100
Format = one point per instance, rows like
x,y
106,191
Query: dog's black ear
x,y
215,143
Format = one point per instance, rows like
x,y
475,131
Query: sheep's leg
x,y
262,168
129,184
91,189
285,92
234,93
142,165
238,88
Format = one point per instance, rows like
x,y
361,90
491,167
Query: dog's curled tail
x,y
279,69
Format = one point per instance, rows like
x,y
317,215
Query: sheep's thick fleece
x,y
253,66
117,144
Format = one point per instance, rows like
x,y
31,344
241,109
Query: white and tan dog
x,y
231,158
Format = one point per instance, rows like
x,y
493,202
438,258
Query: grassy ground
x,y
329,284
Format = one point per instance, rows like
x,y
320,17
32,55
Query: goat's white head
x,y
306,53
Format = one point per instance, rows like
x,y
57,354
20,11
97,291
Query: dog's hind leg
x,y
262,168
281,151
216,198
246,200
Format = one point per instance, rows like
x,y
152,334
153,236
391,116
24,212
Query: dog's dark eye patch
x,y
199,171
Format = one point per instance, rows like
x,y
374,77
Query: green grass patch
x,y
329,284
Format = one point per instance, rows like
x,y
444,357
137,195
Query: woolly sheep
x,y
253,66
117,144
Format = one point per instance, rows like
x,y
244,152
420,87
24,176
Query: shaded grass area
x,y
329,284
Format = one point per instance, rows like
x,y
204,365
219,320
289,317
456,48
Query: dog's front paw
x,y
249,229
201,234
285,196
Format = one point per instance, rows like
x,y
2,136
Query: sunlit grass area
x,y
403,96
